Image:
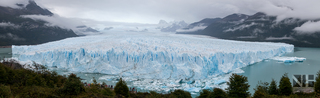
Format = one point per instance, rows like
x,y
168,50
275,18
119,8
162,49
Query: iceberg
x,y
150,55
289,59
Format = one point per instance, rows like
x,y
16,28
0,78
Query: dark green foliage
x,y
261,90
73,85
317,83
180,94
238,86
285,87
259,94
273,90
5,91
204,94
121,88
108,92
218,93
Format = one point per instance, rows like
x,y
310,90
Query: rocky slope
x,y
260,27
16,30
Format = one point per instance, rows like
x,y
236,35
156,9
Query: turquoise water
x,y
264,71
268,69
5,52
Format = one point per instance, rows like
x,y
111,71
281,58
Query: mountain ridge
x,y
16,30
260,27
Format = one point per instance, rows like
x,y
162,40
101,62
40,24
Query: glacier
x,y
153,60
150,55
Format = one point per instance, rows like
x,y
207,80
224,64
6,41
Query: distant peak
x,y
163,22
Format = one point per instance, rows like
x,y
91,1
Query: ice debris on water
x,y
289,59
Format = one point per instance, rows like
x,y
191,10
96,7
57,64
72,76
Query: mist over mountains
x,y
257,27
18,30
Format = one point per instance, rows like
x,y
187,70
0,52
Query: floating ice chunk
x,y
192,89
289,59
218,82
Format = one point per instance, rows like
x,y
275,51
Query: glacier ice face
x,y
150,55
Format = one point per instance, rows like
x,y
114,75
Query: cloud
x,y
197,28
13,3
8,24
73,23
11,36
308,27
151,11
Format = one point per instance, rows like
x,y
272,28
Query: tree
x,y
180,94
273,90
285,87
121,88
3,74
317,83
238,86
218,93
261,90
73,85
204,94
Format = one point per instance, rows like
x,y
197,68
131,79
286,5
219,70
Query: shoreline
x,y
5,46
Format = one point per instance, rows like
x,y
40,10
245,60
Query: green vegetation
x,y
218,93
21,81
317,84
285,87
273,90
238,86
121,88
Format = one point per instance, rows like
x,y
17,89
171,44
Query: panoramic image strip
x,y
159,49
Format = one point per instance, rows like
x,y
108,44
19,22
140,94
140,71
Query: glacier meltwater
x,y
152,56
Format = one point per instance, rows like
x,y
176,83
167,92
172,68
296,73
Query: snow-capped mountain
x,y
171,26
260,27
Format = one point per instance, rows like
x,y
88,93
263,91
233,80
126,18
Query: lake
x,y
5,53
264,71
268,69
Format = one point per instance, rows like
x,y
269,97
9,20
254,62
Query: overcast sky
x,y
151,11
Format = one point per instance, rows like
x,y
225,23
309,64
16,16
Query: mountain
x,y
198,26
172,26
260,27
16,30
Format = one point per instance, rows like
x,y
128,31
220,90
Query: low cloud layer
x,y
151,11
13,3
308,27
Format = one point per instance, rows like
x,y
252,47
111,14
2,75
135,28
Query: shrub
x,y
73,85
238,86
121,88
180,94
204,94
285,87
108,92
218,93
5,91
261,90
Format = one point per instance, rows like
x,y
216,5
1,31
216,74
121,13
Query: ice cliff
x,y
150,55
